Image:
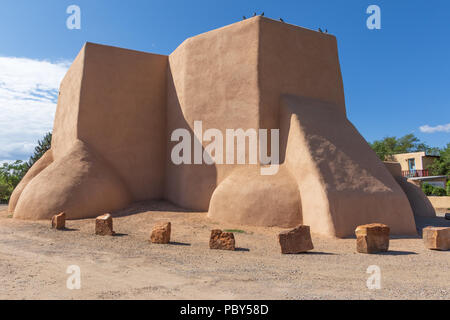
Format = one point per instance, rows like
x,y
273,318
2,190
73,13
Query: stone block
x,y
372,238
296,240
59,221
436,238
161,233
221,240
104,225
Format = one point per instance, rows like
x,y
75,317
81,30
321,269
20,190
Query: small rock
x,y
161,233
296,240
436,238
372,238
59,221
221,240
104,225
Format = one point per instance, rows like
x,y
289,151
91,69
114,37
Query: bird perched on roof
x,y
262,14
243,18
281,20
320,30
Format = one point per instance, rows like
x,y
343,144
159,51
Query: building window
x,y
411,164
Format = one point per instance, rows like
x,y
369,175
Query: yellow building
x,y
414,167
415,164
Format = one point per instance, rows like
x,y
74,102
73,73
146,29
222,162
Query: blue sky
x,y
396,79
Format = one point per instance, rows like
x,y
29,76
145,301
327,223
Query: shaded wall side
x,y
213,79
296,61
420,204
427,161
122,115
394,168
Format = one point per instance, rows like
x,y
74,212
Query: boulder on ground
x,y
104,225
372,238
296,240
436,238
221,240
59,221
161,233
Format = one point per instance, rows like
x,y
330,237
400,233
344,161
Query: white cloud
x,y
28,94
439,128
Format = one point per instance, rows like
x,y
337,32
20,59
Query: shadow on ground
x,y
118,234
69,229
395,253
151,205
175,243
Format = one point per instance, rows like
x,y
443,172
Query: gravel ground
x,y
34,260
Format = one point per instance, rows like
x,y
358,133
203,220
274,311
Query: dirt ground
x,y
34,260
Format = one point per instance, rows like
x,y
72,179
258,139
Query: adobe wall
x,y
108,144
213,79
296,61
342,182
241,88
122,115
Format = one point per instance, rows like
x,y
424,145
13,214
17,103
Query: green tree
x,y
10,176
41,148
12,173
389,146
441,166
440,192
427,189
430,190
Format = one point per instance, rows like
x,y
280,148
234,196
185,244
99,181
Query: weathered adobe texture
x,y
117,109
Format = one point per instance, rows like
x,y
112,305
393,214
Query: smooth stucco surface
x,y
117,109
